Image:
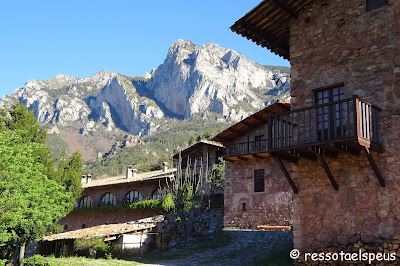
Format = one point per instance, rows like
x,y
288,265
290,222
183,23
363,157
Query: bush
x,y
91,248
3,262
36,260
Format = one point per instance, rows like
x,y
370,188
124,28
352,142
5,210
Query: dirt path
x,y
246,248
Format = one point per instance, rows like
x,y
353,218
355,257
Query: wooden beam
x,y
258,156
346,148
236,131
247,124
229,160
223,139
326,151
260,119
286,156
285,7
242,158
374,167
327,171
286,174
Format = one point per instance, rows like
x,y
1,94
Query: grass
x,y
72,261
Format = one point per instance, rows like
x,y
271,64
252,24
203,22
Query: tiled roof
x,y
107,230
122,178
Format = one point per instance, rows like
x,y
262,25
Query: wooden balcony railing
x,y
339,121
246,148
350,118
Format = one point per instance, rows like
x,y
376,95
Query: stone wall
x,y
339,42
202,225
274,206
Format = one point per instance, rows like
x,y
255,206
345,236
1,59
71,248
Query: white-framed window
x,y
133,196
108,200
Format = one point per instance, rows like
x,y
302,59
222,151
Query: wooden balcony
x,y
350,125
246,148
345,125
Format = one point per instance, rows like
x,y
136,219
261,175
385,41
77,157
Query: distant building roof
x,y
196,147
107,230
254,120
140,177
268,24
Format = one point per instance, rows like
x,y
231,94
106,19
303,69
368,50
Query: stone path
x,y
245,248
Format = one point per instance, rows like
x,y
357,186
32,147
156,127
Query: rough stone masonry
x,y
339,42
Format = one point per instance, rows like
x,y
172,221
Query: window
x,y
373,4
259,141
259,180
133,196
85,202
65,227
157,194
244,206
108,200
330,116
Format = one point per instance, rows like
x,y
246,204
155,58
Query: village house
x,y
256,192
116,191
201,156
341,135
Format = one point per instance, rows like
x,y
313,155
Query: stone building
x,y
256,192
202,156
346,147
114,191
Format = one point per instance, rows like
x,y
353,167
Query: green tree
x,y
69,174
30,203
216,176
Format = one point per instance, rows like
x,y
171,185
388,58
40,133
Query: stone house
x,y
114,191
202,155
256,192
340,137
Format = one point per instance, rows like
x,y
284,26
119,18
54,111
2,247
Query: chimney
x,y
165,167
83,181
130,172
89,178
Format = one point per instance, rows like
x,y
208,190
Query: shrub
x,y
36,260
3,262
91,248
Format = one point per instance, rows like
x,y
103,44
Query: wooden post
x,y
356,116
285,172
269,134
327,171
374,167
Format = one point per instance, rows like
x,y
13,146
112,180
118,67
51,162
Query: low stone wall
x,y
201,225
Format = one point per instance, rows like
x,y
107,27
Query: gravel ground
x,y
246,247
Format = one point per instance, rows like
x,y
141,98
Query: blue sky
x,y
40,39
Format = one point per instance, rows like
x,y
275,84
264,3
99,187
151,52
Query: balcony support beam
x,y
242,158
374,167
286,174
327,171
258,156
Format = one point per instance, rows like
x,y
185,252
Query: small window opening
x,y
374,4
244,206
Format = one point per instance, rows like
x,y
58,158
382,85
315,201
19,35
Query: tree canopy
x,y
33,195
30,203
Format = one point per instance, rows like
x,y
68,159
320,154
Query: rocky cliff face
x,y
210,78
210,81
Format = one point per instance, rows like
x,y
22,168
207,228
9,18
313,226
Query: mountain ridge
x,y
208,82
